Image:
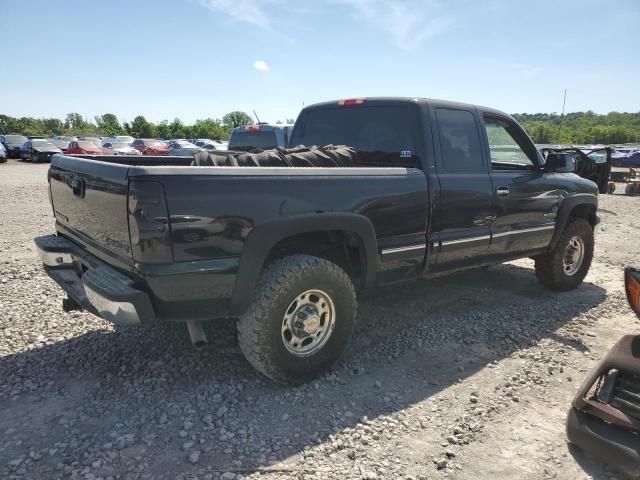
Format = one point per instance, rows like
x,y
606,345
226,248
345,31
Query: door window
x,y
459,141
506,152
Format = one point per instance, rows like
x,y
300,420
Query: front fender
x,y
568,205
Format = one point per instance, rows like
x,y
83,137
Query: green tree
x,y
177,129
164,130
108,124
75,122
235,119
141,128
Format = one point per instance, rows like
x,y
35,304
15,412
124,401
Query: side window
x,y
459,141
506,153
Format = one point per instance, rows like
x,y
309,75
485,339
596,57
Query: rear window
x,y
250,140
382,135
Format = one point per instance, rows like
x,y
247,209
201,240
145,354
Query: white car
x,y
119,148
121,139
3,154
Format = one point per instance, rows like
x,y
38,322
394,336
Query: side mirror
x,y
632,286
560,163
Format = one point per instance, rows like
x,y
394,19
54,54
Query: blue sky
x,y
203,58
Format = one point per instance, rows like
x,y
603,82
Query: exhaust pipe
x,y
196,332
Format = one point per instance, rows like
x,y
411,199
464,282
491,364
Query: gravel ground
x,y
464,377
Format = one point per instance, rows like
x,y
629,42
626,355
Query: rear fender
x,y
265,236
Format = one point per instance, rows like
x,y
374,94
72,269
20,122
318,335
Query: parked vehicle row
x,y
261,136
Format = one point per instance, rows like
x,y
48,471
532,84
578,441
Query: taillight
x,y
632,286
149,227
352,101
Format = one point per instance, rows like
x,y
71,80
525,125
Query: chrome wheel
x,y
573,256
308,323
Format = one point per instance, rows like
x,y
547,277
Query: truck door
x,y
525,197
462,210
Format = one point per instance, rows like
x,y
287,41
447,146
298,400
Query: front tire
x,y
301,319
565,267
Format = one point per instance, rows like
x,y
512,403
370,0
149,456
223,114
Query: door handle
x,y
502,191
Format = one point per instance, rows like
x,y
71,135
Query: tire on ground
x,y
550,268
260,327
630,189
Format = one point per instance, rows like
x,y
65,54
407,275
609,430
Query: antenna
x,y
564,101
254,112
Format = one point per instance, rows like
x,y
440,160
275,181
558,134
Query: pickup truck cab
x,y
260,136
437,187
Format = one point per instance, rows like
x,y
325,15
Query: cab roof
x,y
404,100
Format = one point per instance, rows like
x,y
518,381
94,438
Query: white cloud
x,y
261,65
248,11
407,22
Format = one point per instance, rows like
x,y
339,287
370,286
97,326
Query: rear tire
x,y
318,298
611,187
565,267
630,189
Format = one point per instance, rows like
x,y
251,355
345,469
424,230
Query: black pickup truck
x,y
438,187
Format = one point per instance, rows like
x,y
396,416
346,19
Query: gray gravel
x,y
438,375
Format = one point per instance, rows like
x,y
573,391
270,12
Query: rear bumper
x,y
610,444
94,285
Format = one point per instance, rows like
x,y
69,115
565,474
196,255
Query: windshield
x,y
185,145
251,140
15,139
87,144
120,145
386,130
154,143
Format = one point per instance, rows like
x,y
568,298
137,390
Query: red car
x,y
84,147
149,146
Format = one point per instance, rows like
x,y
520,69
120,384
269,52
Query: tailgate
x,y
89,199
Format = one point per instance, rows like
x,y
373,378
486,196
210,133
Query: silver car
x,y
116,148
183,148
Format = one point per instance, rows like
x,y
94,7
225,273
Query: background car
x,y
61,144
200,141
85,147
95,140
13,144
151,146
116,148
216,145
122,139
182,148
38,150
3,154
67,138
261,136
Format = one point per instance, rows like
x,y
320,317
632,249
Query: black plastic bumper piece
x,y
94,285
615,446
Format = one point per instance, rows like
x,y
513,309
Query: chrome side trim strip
x,y
525,230
409,248
464,240
445,243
